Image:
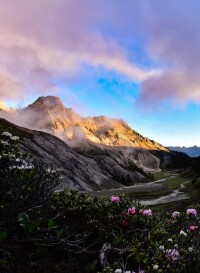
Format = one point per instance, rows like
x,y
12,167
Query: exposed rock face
x,y
78,171
96,153
91,135
49,114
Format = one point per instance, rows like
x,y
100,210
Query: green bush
x,y
71,232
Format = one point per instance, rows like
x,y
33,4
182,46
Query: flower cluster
x,y
115,199
7,134
192,212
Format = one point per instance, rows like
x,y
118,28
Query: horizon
x,y
126,60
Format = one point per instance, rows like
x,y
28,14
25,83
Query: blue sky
x,y
134,60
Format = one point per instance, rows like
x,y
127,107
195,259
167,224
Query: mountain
x,y
93,152
79,172
50,115
191,151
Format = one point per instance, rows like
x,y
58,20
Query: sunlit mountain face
x,y
49,114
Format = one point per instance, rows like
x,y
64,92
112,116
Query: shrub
x,y
46,231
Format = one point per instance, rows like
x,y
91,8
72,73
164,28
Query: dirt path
x,y
141,187
176,195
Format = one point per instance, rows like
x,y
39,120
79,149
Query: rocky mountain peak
x,y
49,114
50,104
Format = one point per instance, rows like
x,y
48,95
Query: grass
x,y
168,186
159,175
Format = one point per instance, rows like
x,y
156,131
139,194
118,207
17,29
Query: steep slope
x,y
91,135
78,171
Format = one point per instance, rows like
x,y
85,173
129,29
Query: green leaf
x,y
138,257
23,219
2,261
116,241
31,226
50,223
3,234
59,233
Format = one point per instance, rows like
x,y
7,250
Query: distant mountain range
x,y
93,152
191,151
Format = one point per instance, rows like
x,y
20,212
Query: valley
x,y
98,154
167,189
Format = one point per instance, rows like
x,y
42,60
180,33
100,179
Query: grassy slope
x,y
168,186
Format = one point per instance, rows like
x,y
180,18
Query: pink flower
x,y
172,254
140,211
192,228
175,214
115,199
147,212
192,212
132,210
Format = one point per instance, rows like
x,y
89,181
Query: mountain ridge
x,y
79,171
49,114
193,151
93,152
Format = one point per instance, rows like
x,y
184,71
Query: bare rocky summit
x,y
92,153
49,114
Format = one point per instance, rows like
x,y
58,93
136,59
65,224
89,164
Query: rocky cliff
x,y
92,152
78,171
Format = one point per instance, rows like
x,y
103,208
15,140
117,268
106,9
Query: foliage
x,y
46,231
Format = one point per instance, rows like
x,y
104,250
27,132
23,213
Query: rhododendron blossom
x,y
183,233
126,223
147,212
140,211
6,134
172,254
161,247
115,199
14,137
155,267
132,210
175,214
192,212
192,228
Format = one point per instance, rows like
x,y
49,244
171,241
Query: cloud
x,y
42,42
167,32
171,29
50,40
175,85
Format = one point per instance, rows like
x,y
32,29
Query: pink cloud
x,y
52,39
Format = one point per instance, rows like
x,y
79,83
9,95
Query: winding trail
x,y
176,195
